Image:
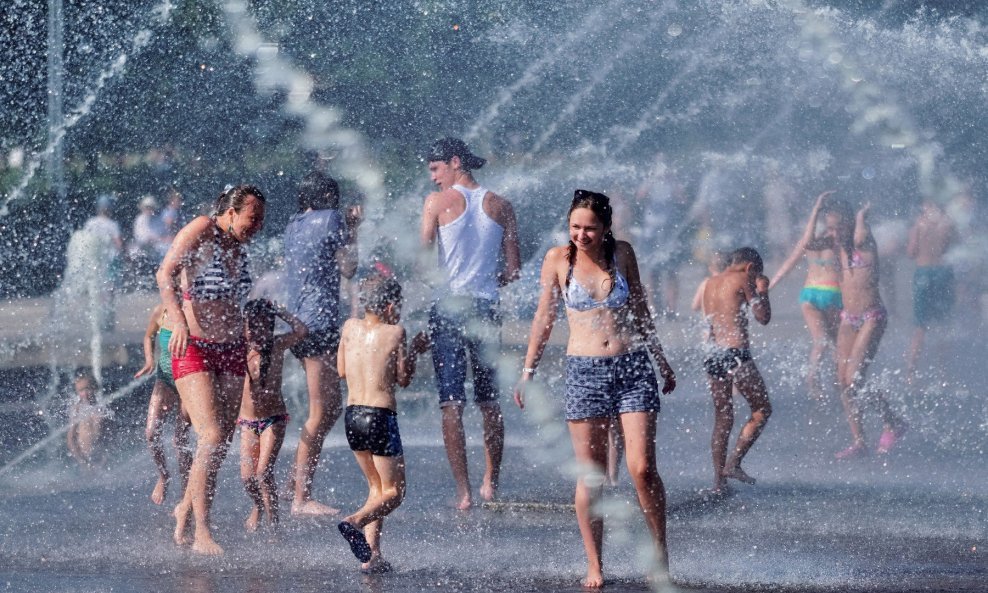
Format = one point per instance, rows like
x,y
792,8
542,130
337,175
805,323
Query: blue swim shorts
x,y
822,297
460,330
606,386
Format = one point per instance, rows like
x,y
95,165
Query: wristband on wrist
x,y
528,370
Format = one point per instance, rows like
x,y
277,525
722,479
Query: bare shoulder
x,y
624,253
499,208
348,327
198,225
443,196
623,249
557,254
394,335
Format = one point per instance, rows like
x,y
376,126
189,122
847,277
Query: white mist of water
x,y
161,14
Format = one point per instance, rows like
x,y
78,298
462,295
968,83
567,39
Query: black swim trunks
x,y
373,429
724,362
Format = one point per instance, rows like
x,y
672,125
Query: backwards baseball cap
x,y
446,148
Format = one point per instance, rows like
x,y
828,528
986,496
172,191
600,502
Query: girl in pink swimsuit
x,y
863,323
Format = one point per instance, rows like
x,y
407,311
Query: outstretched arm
x,y
862,232
346,255
545,318
809,234
408,357
299,329
430,222
642,318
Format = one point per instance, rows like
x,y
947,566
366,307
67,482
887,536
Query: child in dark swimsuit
x,y
263,415
164,397
729,365
373,358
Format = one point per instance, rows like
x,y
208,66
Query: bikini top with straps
x,y
578,298
215,281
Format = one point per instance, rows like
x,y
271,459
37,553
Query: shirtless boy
x,y
933,282
373,358
729,364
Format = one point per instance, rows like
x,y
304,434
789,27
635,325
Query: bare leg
x,y
386,490
250,450
912,356
456,451
615,450
590,446
857,348
493,449
157,409
212,405
639,432
750,384
182,427
816,323
271,441
721,390
325,406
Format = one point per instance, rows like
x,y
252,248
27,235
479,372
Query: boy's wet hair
x,y
748,255
377,292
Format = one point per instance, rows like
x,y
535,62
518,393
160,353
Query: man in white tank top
x,y
477,238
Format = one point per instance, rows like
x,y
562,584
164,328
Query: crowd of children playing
x,y
218,361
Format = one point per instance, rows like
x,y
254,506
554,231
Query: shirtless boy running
x,y
729,363
373,358
930,238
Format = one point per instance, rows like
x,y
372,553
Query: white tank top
x,y
470,250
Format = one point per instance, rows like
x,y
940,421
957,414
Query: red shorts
x,y
219,358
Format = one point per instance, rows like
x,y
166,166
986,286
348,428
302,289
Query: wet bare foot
x,y
488,491
253,519
183,516
160,490
376,565
736,473
716,493
311,508
463,502
205,545
593,580
658,578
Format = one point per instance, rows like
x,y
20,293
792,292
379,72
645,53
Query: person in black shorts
x,y
373,358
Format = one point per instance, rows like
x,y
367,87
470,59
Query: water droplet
x,y
674,30
868,173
